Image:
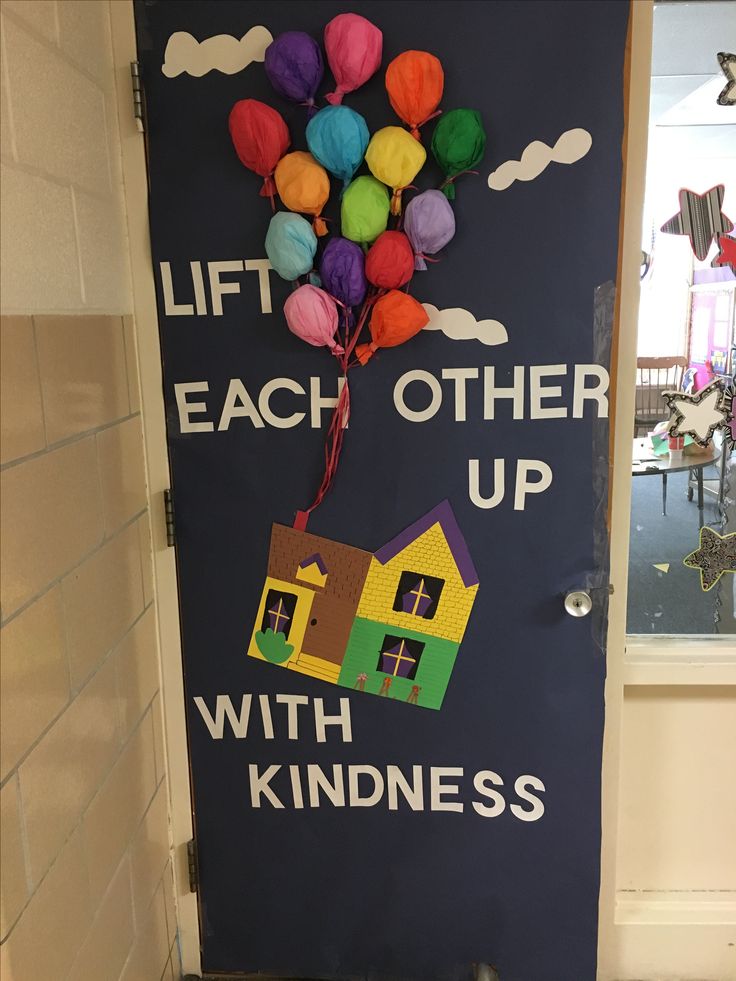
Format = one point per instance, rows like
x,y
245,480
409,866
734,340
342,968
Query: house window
x,y
279,611
418,595
400,657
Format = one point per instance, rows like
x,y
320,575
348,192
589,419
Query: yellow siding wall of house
x,y
428,555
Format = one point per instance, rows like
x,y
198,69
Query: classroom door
x,y
394,717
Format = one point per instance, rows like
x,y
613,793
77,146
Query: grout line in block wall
x,y
32,171
40,386
54,46
6,79
60,578
73,695
78,825
67,441
78,244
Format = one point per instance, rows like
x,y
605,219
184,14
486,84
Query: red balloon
x,y
390,261
396,317
261,138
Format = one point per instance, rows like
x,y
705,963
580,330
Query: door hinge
x,y
169,516
135,79
192,864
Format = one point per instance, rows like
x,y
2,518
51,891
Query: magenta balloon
x,y
312,315
354,48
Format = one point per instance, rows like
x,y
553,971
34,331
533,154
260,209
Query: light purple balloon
x,y
429,223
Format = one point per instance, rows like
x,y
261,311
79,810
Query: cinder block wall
x,y
87,889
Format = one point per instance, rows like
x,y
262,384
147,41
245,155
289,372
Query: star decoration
x,y
726,253
700,218
715,556
728,66
700,414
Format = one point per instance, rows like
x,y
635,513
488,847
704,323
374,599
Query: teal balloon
x,y
337,137
290,245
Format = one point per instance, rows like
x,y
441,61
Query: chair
x,y
654,376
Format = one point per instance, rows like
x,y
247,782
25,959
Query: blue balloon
x,y
290,245
337,137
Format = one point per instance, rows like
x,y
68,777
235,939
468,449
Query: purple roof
x,y
443,514
315,559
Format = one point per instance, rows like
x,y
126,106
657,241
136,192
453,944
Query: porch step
x,y
316,667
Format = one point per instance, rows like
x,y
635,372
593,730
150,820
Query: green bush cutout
x,y
273,646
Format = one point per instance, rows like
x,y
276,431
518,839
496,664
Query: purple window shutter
x,y
417,600
278,618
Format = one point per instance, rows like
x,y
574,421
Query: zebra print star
x,y
700,218
728,67
715,556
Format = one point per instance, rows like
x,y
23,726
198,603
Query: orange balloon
x,y
396,318
415,82
304,186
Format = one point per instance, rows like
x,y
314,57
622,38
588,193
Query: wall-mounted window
x,y
418,595
400,657
279,611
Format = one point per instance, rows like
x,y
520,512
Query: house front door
x,y
398,773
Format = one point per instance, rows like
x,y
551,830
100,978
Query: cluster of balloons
x,y
363,273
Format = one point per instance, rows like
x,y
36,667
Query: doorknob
x,y
578,603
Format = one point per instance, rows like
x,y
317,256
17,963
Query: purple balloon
x,y
429,223
294,66
343,271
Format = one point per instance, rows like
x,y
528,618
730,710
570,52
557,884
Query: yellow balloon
x,y
395,158
303,185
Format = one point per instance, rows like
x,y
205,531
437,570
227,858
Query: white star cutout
x,y
698,415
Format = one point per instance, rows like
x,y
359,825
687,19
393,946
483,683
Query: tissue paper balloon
x,y
343,271
294,66
303,186
396,317
458,144
390,261
337,137
312,315
290,245
415,82
395,158
365,208
354,47
429,223
260,138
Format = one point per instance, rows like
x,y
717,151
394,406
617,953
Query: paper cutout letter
x,y
700,218
726,255
389,623
223,53
715,556
461,325
569,148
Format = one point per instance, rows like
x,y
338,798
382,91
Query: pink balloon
x,y
354,47
312,315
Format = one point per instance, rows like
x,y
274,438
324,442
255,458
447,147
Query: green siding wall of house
x,y
363,655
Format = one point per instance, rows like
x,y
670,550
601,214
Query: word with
x,y
240,720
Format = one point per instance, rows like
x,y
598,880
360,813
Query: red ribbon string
x,y
451,180
415,129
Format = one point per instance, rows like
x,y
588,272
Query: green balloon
x,y
364,212
458,144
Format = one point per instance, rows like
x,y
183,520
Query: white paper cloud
x,y
223,53
571,146
461,325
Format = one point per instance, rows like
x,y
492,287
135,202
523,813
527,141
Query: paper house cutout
x,y
389,624
312,570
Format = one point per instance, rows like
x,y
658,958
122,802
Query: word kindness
x,y
282,785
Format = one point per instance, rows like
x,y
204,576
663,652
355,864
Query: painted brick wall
x,y
87,890
429,555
